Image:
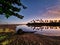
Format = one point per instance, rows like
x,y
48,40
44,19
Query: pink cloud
x,y
57,12
52,12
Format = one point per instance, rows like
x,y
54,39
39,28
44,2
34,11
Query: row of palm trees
x,y
45,21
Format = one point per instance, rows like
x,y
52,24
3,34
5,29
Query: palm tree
x,y
37,20
33,21
41,21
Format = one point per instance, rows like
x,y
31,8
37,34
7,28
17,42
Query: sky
x,y
36,9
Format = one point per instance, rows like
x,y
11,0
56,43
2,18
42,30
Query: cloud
x,y
52,12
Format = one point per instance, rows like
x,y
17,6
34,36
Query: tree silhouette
x,y
9,8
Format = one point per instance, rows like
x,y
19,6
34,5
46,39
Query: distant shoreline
x,y
43,24
12,24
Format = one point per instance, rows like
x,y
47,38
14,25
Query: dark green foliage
x,y
9,8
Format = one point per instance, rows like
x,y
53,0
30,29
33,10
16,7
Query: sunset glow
x,y
36,9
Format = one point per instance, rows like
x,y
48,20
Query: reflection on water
x,y
44,30
45,27
8,38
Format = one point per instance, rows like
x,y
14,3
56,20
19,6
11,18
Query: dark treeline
x,y
44,24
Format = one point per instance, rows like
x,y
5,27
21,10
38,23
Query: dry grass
x,y
32,39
